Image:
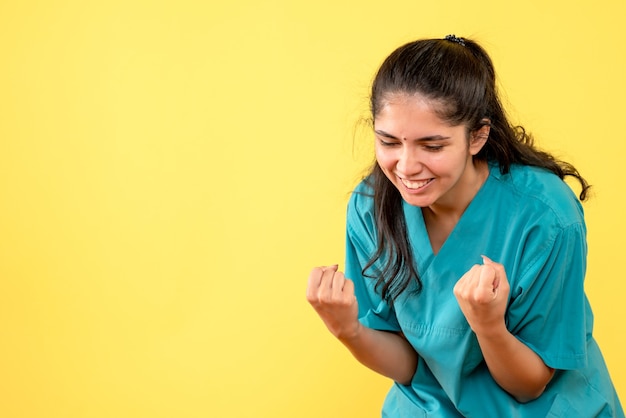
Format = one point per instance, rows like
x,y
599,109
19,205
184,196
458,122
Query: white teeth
x,y
414,184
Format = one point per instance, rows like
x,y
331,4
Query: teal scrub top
x,y
530,221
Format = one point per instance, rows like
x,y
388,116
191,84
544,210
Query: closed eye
x,y
387,143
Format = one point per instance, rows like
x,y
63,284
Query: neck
x,y
453,206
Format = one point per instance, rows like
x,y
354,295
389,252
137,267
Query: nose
x,y
409,162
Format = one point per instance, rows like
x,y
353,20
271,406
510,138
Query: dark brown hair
x,y
458,76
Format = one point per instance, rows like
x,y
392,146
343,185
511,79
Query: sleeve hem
x,y
572,362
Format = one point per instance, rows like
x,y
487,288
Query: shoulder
x,y
362,197
540,192
360,216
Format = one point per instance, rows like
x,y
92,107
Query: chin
x,y
416,201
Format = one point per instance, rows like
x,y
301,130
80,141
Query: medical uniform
x,y
530,221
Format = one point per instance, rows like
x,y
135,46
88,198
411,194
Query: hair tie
x,y
453,38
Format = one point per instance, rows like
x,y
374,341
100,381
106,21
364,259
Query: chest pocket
x,y
560,408
442,337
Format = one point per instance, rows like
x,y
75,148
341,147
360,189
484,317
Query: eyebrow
x,y
425,138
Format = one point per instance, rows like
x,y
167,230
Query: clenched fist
x,y
332,297
482,294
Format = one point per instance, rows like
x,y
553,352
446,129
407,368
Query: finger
x,y
328,274
499,269
337,285
325,291
348,287
466,281
334,267
496,266
487,285
471,278
348,291
315,279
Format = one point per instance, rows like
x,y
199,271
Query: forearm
x,y
513,365
384,352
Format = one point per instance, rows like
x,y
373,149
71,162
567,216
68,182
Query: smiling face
x,y
428,160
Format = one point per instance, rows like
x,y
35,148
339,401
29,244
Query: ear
x,y
479,137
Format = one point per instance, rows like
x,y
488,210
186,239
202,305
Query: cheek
x,y
450,162
383,158
438,162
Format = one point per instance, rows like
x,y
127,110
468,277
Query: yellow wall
x,y
171,170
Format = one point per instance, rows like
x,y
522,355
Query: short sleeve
x,y
549,311
374,312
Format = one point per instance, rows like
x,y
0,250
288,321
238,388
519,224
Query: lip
x,y
414,186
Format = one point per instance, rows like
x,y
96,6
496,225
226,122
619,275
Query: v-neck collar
x,y
418,234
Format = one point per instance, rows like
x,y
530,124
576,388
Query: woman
x,y
454,187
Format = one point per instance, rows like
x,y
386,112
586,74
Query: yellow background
x,y
171,170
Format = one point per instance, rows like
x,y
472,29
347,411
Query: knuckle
x,y
339,299
326,299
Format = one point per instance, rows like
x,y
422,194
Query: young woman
x,y
466,254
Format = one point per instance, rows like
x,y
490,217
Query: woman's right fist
x,y
332,297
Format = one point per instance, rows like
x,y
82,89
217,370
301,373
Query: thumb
x,y
497,270
489,275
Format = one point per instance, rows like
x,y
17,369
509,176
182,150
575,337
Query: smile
x,y
414,185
